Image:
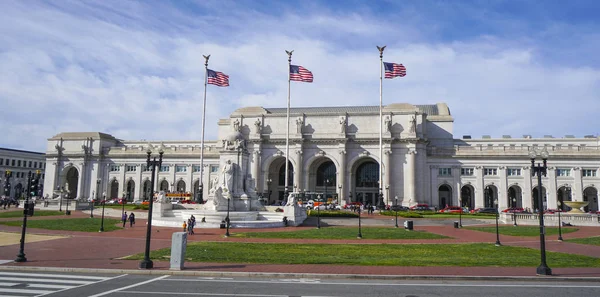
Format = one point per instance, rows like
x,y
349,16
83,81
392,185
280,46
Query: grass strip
x,y
37,213
464,255
588,240
343,233
78,224
522,230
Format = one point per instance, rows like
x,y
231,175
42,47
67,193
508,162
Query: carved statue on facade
x,y
257,126
299,124
413,124
387,124
236,125
343,122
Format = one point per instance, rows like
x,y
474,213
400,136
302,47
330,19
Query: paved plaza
x,y
66,249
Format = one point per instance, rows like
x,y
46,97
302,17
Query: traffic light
x,y
34,185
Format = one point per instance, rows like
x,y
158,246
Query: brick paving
x,y
105,250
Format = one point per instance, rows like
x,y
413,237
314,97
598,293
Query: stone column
x,y
139,191
387,156
410,176
527,188
551,188
503,186
256,169
342,177
480,187
577,189
80,182
298,169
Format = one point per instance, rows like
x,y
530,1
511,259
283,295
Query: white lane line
x,y
8,284
39,280
55,275
206,294
50,286
25,291
5,261
91,283
392,284
11,296
131,286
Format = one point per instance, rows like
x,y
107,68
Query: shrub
x,y
402,214
142,207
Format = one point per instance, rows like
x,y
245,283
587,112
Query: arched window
x,y
367,175
164,185
281,180
326,172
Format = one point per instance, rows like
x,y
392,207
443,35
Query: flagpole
x,y
201,185
381,120
287,129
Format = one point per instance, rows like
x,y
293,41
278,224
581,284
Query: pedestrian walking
x,y
184,226
124,219
131,219
192,224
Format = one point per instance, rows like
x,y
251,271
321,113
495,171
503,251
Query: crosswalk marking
x,y
13,284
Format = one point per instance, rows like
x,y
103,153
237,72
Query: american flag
x,y
392,70
218,78
299,73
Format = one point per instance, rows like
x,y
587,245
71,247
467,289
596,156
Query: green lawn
x,y
79,224
344,233
589,240
36,213
522,230
456,216
466,255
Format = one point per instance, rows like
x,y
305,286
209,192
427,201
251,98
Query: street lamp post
x,y
147,263
559,222
514,212
318,212
339,193
396,203
497,233
92,205
227,217
123,200
359,236
540,170
67,212
102,221
460,213
30,182
326,182
269,181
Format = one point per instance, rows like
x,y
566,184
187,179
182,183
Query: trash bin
x,y
408,225
456,224
68,212
222,226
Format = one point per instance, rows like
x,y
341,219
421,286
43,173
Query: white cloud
x,y
138,74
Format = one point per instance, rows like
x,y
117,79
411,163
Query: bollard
x,y
456,224
178,246
408,225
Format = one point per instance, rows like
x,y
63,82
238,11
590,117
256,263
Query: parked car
x,y
514,209
552,211
451,209
419,206
486,210
349,205
398,208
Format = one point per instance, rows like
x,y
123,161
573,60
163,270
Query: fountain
x,y
576,206
232,193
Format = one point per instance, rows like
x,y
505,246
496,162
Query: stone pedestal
x,y
159,209
295,214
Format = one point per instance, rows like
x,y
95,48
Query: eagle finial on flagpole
x,y
289,53
206,57
381,50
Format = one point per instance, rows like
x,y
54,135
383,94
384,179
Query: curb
x,y
295,275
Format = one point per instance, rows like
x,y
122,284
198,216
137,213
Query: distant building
x,y
336,150
18,163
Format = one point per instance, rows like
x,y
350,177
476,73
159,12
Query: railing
x,y
552,219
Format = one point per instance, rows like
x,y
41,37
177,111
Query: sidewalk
x,y
105,250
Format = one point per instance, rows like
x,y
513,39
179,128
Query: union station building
x,y
336,151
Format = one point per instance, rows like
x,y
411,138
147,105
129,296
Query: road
x,y
119,285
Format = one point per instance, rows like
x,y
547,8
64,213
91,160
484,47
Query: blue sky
x,y
134,69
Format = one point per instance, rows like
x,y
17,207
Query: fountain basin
x,y
576,206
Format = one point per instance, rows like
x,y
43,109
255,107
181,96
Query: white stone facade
x,y
421,160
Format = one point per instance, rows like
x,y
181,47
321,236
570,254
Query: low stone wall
x,y
551,219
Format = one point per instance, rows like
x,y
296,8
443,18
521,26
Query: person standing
x,y
124,219
192,224
131,219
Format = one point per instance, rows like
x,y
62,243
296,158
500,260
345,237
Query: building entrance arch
x,y
322,178
130,191
467,197
515,198
563,194
18,191
366,183
590,194
490,194
114,189
72,179
445,196
147,189
534,197
275,179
